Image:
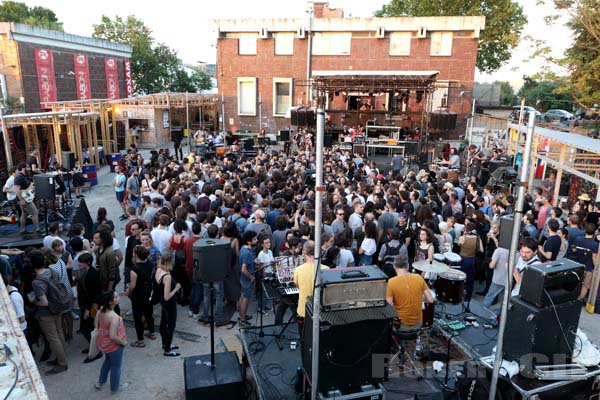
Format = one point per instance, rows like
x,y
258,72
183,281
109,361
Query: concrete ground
x,y
148,372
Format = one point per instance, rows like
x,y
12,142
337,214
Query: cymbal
x,y
430,266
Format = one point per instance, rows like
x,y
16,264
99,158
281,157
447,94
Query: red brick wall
x,y
65,83
366,54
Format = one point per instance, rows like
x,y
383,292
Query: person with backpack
x,y
59,266
390,250
139,291
51,299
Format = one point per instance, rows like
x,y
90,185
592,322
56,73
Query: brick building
x,y
38,65
263,66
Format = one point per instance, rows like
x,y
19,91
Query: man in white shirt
x,y
160,234
8,187
528,256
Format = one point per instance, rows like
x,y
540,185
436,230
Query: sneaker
x,y
98,385
190,313
74,315
204,320
244,323
171,354
196,316
122,386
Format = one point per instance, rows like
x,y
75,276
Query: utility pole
x,y
311,14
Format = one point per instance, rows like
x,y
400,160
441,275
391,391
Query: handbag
x,y
156,295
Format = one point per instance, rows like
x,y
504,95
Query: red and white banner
x,y
128,80
82,77
112,78
45,72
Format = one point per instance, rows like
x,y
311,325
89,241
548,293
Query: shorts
x,y
120,196
29,209
248,287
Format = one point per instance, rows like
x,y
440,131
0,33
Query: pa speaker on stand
x,y
212,376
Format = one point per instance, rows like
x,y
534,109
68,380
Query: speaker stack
x,y
542,320
214,376
68,160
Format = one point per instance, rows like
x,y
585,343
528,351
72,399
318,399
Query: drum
x,y
428,314
453,175
221,150
452,260
439,257
450,286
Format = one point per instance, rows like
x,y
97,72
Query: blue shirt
x,y
120,178
246,257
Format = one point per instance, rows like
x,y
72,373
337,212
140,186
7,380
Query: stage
x,y
275,370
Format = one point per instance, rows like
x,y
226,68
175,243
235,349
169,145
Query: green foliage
x,y
507,94
545,95
155,68
503,26
11,105
583,57
13,11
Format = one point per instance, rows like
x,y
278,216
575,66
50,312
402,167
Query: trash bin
x,y
114,159
89,170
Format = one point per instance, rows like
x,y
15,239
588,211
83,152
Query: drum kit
x,y
448,281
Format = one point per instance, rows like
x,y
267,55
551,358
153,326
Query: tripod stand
x,y
258,345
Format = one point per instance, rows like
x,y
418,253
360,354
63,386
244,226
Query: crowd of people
x,y
390,216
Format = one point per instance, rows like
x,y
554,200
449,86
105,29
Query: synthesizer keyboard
x,y
288,291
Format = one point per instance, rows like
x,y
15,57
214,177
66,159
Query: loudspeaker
x,y
506,229
552,282
344,360
311,117
68,160
301,116
44,186
495,164
327,140
212,258
82,216
222,382
284,135
442,121
504,174
540,335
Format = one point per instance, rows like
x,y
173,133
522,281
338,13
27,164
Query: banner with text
x,y
45,72
128,80
112,78
82,77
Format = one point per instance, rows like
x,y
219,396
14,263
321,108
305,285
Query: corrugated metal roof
x,y
570,139
347,74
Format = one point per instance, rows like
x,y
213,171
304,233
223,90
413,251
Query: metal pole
x,y
7,152
471,122
187,121
223,112
311,12
518,216
259,112
319,190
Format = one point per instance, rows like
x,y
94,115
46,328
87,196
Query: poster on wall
x,y
82,77
44,65
128,80
112,78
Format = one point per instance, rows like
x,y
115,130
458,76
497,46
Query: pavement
x,y
147,371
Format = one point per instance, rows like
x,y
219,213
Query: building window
x,y
441,44
400,43
332,43
282,96
247,43
246,96
284,43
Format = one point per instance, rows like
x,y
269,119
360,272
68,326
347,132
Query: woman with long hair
x,y
153,251
177,246
102,219
168,317
139,290
368,246
470,243
112,339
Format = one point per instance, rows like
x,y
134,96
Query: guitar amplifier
x,y
552,282
349,288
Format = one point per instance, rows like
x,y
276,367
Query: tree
x,y
13,11
507,94
583,57
503,26
155,68
545,95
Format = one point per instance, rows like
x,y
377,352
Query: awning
x,y
373,81
570,139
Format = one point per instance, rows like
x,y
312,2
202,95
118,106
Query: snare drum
x,y
452,260
450,286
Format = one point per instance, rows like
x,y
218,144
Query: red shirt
x,y
188,247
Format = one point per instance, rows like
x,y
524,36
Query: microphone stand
x,y
258,345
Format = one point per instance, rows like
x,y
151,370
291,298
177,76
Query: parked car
x,y
553,115
517,109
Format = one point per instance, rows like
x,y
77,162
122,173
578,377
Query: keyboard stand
x,y
280,335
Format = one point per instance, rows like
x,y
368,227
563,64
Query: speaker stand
x,y
46,216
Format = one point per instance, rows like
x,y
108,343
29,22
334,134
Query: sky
x,y
187,26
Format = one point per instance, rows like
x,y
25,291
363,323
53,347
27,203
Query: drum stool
x,y
399,339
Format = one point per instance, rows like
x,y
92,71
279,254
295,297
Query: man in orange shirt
x,y
405,292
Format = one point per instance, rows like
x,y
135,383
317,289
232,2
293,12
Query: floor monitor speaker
x,y
44,187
